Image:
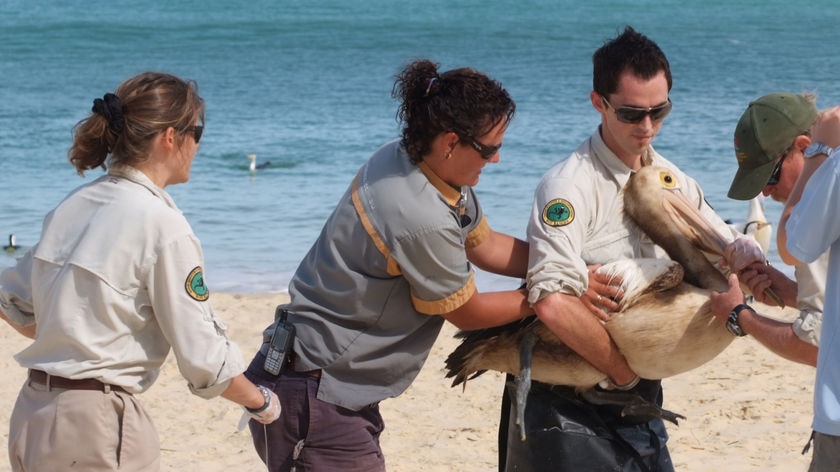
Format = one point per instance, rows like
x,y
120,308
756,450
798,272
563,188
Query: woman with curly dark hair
x,y
393,262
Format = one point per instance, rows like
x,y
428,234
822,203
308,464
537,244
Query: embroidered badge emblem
x,y
558,212
195,285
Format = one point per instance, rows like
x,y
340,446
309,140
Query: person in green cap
x,y
772,143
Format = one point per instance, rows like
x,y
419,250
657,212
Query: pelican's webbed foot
x,y
634,406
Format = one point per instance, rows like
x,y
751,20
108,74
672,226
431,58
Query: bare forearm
x,y
779,338
501,254
567,317
808,169
28,331
243,392
781,239
489,309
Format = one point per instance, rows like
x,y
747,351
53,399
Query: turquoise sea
x,y
305,85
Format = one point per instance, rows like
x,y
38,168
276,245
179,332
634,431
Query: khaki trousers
x,y
88,430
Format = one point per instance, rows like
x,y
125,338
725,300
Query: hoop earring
x,y
448,155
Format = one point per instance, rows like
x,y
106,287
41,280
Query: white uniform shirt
x,y
116,280
578,219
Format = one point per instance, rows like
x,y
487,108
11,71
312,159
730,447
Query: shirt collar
x,y
450,194
137,176
618,169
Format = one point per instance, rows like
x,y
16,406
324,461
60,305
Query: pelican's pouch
x,y
565,433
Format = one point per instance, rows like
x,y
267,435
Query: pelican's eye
x,y
667,179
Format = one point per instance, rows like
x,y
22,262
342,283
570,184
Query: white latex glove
x,y
741,253
269,412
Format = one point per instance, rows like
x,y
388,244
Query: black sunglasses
x,y
485,151
635,115
777,171
197,131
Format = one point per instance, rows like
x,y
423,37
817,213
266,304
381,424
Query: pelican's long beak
x,y
692,224
696,229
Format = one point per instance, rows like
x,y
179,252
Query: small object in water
x,y
11,247
253,167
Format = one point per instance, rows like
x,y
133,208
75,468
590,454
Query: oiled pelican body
x,y
657,342
663,327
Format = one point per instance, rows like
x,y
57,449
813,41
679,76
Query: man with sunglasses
x,y
577,222
772,145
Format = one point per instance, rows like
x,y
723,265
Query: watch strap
x,y
816,148
732,323
266,397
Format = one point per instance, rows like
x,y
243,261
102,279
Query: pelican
x,y
253,167
756,225
11,247
663,327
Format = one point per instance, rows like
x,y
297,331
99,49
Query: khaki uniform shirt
x,y
115,280
810,299
578,219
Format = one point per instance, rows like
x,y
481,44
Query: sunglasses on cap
x,y
484,150
197,131
636,115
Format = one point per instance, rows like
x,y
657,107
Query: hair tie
x,y
429,87
110,107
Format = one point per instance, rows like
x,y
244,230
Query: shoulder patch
x,y
195,285
558,212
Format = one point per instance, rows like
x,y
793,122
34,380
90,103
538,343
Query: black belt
x,y
52,381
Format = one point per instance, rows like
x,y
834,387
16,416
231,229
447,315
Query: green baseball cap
x,y
766,130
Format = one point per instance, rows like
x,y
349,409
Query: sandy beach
x,y
747,410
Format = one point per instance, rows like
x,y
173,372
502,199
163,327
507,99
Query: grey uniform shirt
x,y
578,219
114,281
390,257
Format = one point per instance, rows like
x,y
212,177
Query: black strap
x,y
808,444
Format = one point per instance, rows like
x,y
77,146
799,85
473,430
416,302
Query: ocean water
x,y
306,86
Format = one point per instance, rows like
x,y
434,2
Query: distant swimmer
x,y
11,247
254,166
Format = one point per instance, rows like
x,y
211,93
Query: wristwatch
x,y
815,149
732,323
266,397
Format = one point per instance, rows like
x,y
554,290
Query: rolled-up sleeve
x,y
16,292
206,358
556,230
